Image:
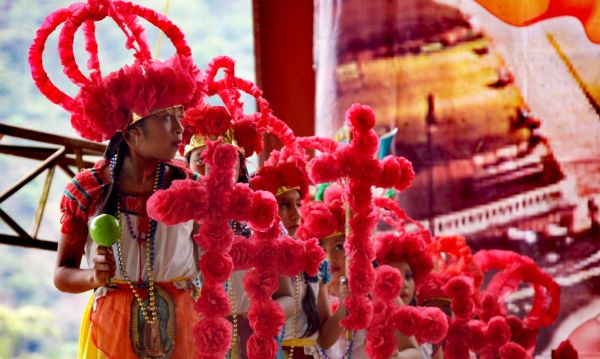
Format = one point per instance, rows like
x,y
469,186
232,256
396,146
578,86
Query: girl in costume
x,y
309,320
142,304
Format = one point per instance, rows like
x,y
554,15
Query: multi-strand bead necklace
x,y
150,313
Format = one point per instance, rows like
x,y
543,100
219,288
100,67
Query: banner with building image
x,y
501,123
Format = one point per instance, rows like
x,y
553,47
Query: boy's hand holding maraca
x,y
105,231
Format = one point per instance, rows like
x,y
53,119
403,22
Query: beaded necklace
x,y
234,315
297,283
150,313
346,355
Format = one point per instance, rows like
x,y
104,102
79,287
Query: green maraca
x,y
105,231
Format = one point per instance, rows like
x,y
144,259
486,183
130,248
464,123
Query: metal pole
x,y
430,122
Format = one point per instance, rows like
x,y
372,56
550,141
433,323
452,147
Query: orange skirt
x,y
113,327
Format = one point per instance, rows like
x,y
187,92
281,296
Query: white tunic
x,y
301,321
174,256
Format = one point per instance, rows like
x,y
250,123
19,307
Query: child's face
x,y
158,136
289,210
334,247
196,164
408,281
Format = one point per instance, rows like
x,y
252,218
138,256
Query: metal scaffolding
x,y
69,154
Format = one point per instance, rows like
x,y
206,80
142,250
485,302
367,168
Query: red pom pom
x,y
217,120
359,195
458,331
292,257
261,347
324,168
248,136
240,201
333,193
215,235
315,255
397,172
361,276
381,343
432,287
476,339
242,253
463,308
368,171
360,312
193,119
489,307
364,146
515,324
266,179
216,266
223,156
260,285
565,351
456,350
264,211
182,201
208,120
266,317
388,283
213,336
459,287
213,301
317,220
433,326
498,332
512,350
360,117
383,313
487,353
407,320
266,255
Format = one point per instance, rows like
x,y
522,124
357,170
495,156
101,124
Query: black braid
x,y
309,305
116,147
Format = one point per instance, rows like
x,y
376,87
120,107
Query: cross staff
x,y
356,162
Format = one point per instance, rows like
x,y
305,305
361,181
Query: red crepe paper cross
x,y
357,163
213,201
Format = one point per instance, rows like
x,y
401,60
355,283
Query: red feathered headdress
x,y
230,122
408,247
106,105
324,219
432,287
452,256
282,173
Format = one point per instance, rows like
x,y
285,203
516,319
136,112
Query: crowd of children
x,y
297,260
